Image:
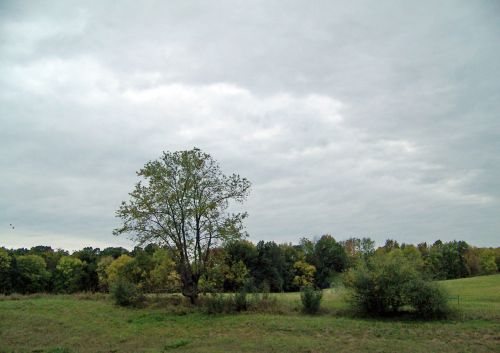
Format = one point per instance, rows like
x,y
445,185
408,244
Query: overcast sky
x,y
353,118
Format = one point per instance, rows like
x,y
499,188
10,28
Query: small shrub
x,y
124,293
311,300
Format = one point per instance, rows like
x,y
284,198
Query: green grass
x,y
69,324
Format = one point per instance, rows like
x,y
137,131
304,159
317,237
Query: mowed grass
x,y
72,324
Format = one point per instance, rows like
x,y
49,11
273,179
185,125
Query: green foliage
x,y
387,283
118,270
429,300
329,258
358,249
448,260
114,252
238,265
32,274
487,262
89,257
69,274
304,274
270,266
163,276
237,274
5,272
311,300
413,255
102,272
124,293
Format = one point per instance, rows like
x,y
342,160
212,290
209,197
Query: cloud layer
x,y
351,120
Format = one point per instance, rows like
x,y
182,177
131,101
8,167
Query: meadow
x,y
92,323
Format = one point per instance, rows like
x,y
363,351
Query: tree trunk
x,y
189,285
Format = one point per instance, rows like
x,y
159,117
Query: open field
x,y
89,324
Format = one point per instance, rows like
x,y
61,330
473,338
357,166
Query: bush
x,y
390,283
124,293
428,300
311,300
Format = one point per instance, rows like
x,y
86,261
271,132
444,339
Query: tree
x,y
329,258
487,262
164,276
102,272
89,257
358,249
270,266
448,260
304,274
119,269
241,258
69,274
32,272
5,283
390,244
292,254
181,203
113,252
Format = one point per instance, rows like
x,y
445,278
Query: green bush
x,y
124,293
428,299
391,283
311,300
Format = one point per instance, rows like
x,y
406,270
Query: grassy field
x,y
90,324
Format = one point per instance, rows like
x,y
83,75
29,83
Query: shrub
x,y
124,293
311,300
428,299
389,283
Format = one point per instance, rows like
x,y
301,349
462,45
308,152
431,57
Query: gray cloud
x,y
354,119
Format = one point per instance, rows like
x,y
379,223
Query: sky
x,y
372,119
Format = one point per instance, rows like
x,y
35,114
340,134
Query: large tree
x,y
182,203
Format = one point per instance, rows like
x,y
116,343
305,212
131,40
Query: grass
x,y
69,324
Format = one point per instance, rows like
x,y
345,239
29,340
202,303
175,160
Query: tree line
x,y
234,266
